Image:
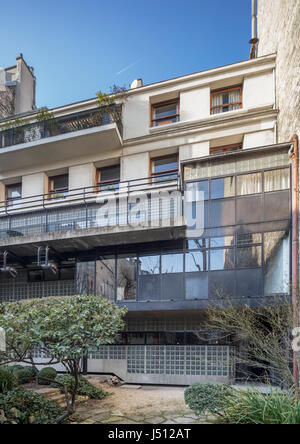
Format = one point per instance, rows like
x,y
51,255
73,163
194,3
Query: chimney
x,y
137,83
254,40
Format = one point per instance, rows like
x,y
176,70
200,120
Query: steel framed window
x,y
164,113
228,99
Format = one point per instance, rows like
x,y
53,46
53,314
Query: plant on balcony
x,y
117,94
64,329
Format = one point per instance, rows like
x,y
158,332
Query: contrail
x,y
129,66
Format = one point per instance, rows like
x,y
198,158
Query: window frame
x,y
10,200
100,183
224,91
161,173
172,116
51,191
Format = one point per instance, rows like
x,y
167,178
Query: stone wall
x,y
279,31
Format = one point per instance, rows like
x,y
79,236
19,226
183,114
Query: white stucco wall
x,y
193,151
258,91
34,184
135,166
195,104
259,138
82,176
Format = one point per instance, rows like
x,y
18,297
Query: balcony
x,y
101,128
84,218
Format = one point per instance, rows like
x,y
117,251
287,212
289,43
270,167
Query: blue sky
x,y
78,47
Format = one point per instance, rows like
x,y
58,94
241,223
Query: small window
x,y
225,100
214,151
165,113
13,194
109,178
59,186
164,169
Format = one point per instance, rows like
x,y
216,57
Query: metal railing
x,y
56,126
79,209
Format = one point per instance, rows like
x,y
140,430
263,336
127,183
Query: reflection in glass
x,y
249,184
276,263
248,257
222,259
149,265
225,241
249,238
105,278
85,278
201,186
277,180
172,263
126,278
221,188
196,261
197,244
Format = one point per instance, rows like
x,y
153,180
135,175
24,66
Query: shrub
x,y
8,379
85,387
254,407
207,398
25,376
48,373
16,368
20,406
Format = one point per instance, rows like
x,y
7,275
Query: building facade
x,y
172,200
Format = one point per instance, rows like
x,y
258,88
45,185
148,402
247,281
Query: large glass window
x,y
105,277
276,263
59,186
225,100
127,267
149,265
225,241
248,257
165,113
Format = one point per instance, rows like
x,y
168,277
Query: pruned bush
x,y
47,373
85,388
254,407
208,398
16,367
8,379
21,406
25,376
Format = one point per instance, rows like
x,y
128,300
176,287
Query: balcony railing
x,y
56,126
82,208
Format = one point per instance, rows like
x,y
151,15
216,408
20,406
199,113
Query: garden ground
x,y
136,405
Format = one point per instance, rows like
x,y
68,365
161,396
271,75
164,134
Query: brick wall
x,y
279,31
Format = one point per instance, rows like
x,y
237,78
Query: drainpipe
x,y
294,155
254,40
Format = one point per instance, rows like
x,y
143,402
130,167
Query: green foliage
x,y
85,388
105,99
20,406
207,398
254,407
24,376
16,367
48,373
8,379
44,114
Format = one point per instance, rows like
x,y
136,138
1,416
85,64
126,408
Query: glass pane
x,y
166,164
172,263
193,187
221,188
60,182
110,174
149,265
14,191
249,184
197,244
196,261
126,278
165,110
277,180
276,260
248,257
222,259
249,238
225,241
85,278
